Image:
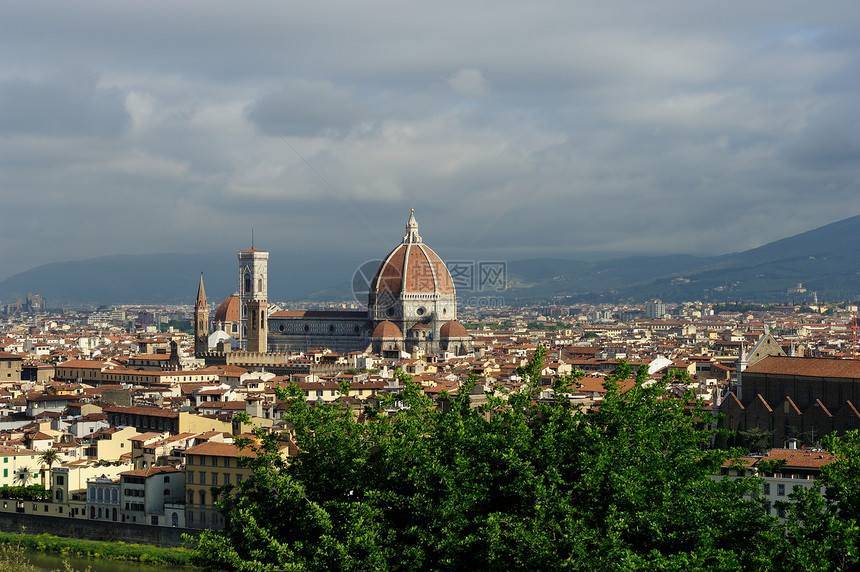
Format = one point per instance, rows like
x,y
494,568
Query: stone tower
x,y
201,320
253,296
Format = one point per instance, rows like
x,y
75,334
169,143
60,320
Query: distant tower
x,y
253,297
655,309
201,320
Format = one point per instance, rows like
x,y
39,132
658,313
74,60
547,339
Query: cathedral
x,y
411,309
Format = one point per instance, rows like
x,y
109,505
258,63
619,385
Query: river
x,y
47,562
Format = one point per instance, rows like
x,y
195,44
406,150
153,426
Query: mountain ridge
x,y
824,260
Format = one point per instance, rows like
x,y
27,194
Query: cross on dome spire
x,y
412,235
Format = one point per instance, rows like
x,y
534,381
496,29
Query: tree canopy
x,y
520,483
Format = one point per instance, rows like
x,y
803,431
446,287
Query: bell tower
x,y
253,297
201,320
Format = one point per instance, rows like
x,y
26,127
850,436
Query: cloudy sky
x,y
515,129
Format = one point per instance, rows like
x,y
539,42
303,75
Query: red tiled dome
x,y
386,329
412,268
228,311
453,329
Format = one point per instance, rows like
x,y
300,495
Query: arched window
x,y
202,497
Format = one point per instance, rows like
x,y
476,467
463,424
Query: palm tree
x,y
23,476
49,457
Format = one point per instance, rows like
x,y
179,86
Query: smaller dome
x,y
453,329
228,311
386,330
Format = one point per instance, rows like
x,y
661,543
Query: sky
x,y
514,129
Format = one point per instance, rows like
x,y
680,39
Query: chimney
x,y
792,443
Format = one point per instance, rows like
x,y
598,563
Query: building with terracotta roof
x,y
782,471
411,289
210,465
795,397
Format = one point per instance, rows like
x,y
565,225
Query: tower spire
x,y
201,294
201,321
412,235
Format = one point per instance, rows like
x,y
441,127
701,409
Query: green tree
x,y
520,483
23,476
49,457
822,531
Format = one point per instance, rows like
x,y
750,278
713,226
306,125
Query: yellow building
x,y
209,465
20,467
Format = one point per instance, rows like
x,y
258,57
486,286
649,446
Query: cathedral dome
x,y
386,330
411,268
453,329
228,311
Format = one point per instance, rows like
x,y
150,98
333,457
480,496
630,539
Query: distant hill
x,y
825,260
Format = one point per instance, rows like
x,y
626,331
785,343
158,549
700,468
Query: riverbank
x,y
120,551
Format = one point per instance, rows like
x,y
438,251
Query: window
x,y
190,477
226,478
214,479
780,512
780,490
166,479
767,489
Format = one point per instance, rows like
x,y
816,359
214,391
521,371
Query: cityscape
x,y
430,286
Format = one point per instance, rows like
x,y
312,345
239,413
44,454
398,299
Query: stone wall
x,y
94,530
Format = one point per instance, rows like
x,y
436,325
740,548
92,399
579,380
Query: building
x,y
201,320
411,307
655,309
796,397
796,468
209,465
253,297
11,365
152,496
411,298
